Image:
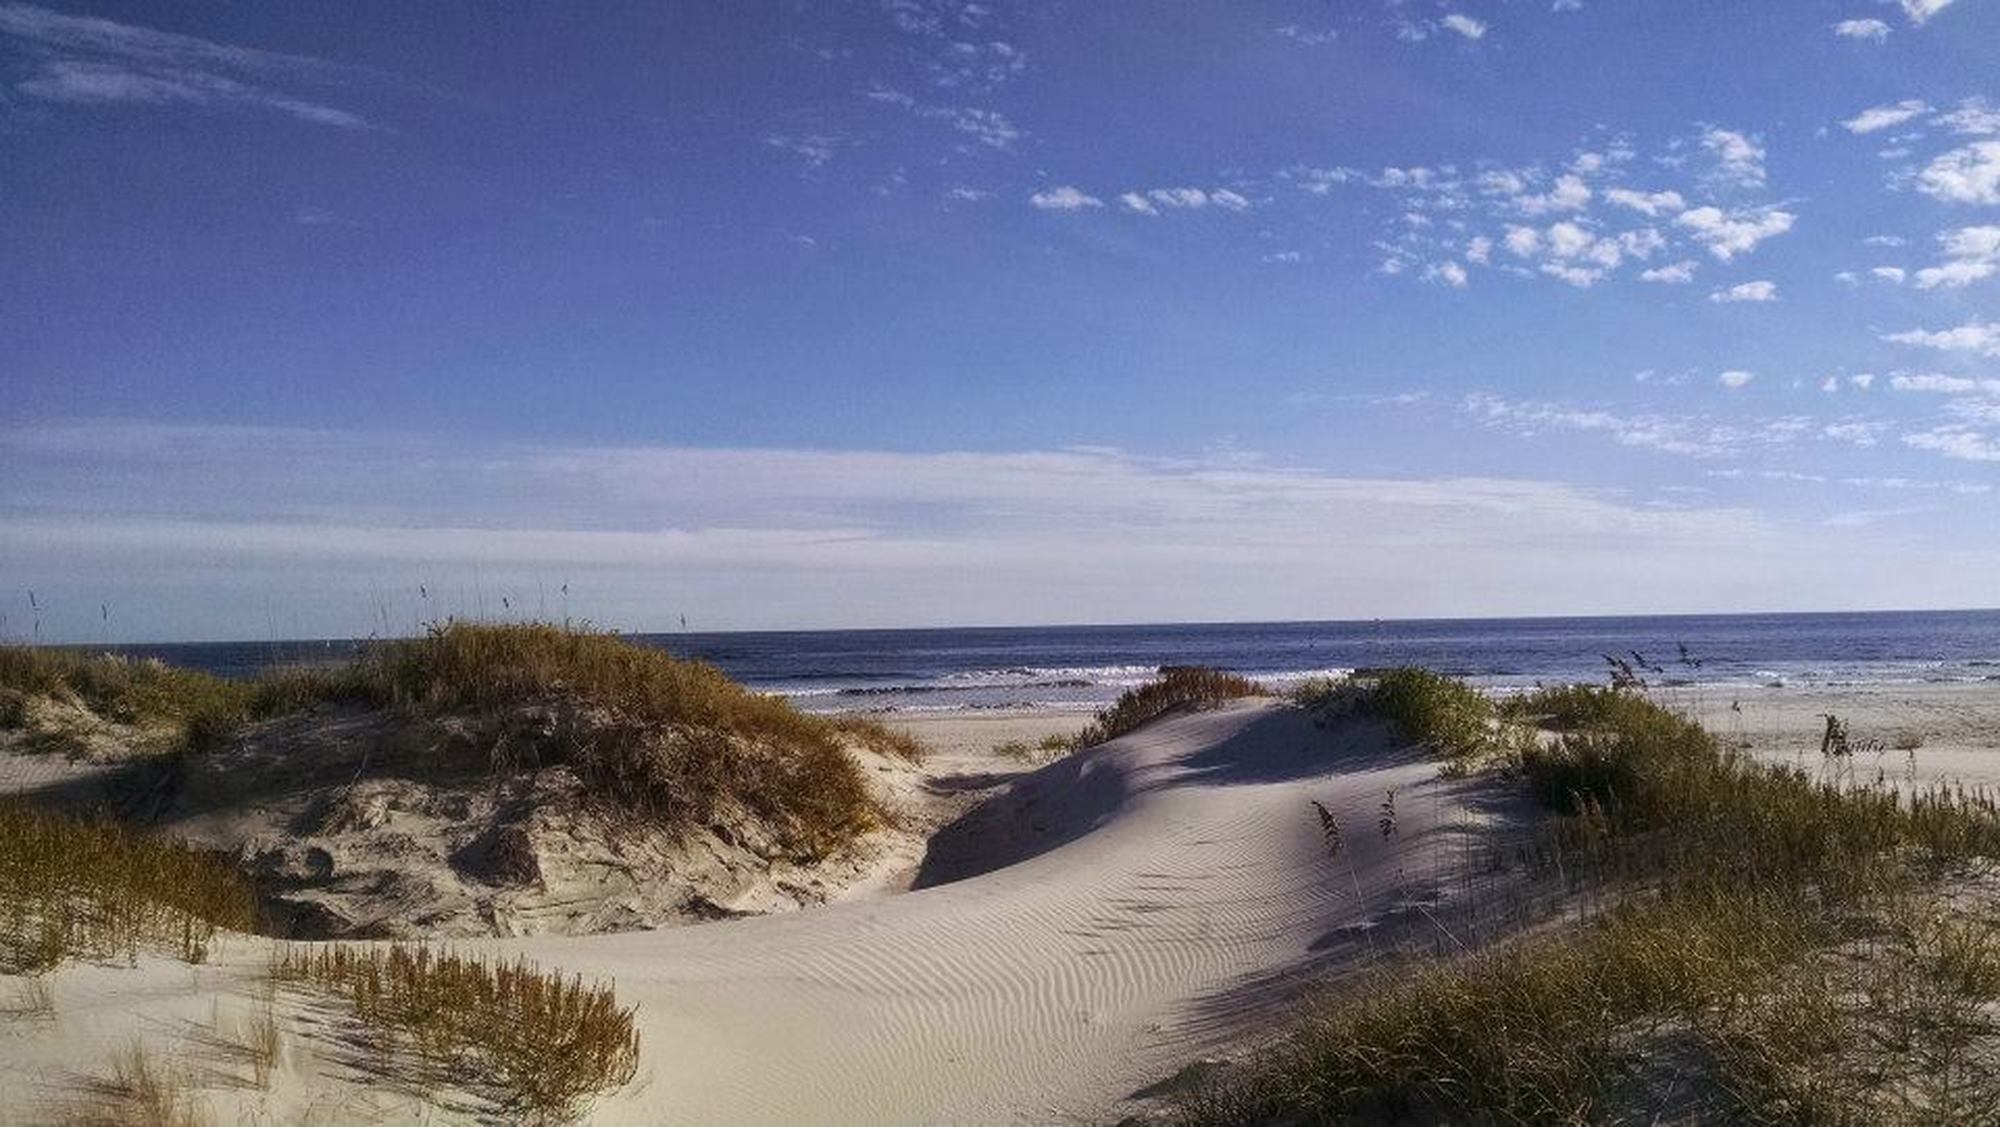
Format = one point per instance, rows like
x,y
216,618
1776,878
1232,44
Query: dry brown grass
x,y
540,1045
140,1092
1177,685
879,737
1046,750
33,1000
89,889
672,741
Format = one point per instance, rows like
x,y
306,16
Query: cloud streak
x,y
797,537
85,61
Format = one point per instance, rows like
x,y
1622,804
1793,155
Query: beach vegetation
x,y
1761,944
1177,686
671,741
1048,749
1445,715
93,889
540,1045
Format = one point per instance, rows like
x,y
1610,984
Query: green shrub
x,y
1449,716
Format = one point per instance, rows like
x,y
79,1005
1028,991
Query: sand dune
x,y
1135,904
1098,924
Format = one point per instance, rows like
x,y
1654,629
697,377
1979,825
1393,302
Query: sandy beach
x,y
1076,936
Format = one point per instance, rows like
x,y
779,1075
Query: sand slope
x,y
1136,903
1100,923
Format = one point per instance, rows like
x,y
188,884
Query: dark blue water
x,y
1086,666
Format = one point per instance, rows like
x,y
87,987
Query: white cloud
x,y
1452,274
1973,336
1962,443
1878,118
1739,159
1479,249
1884,241
1946,385
1921,10
1569,193
1746,291
1864,381
1973,116
1674,273
1735,379
1728,234
1524,242
1873,31
1650,204
1063,197
1970,255
1149,202
1464,25
1893,275
1969,174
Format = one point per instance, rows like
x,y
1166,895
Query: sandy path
x,y
1186,869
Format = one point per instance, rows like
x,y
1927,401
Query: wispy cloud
x,y
1739,158
1153,200
789,537
1980,337
1757,291
1064,197
813,149
1877,118
1866,30
88,61
1920,11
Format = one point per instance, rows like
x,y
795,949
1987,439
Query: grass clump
x,y
879,737
1449,716
1176,685
88,889
1048,749
541,1045
171,710
672,741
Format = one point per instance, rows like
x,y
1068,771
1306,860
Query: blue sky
x,y
330,319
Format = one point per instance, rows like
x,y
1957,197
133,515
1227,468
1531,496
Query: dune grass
x,y
668,740
1048,749
1763,932
1177,685
187,710
671,741
538,1044
71,888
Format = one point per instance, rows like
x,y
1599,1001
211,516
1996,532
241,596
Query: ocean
x,y
1084,667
